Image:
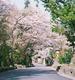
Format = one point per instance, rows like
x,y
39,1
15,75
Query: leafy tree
x,y
5,50
65,11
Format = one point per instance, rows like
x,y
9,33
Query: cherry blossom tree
x,y
35,26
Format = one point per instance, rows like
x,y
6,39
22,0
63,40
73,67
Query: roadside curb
x,y
65,75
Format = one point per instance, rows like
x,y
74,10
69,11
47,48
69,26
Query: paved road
x,y
34,73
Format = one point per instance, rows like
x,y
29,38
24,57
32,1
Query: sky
x,y
20,3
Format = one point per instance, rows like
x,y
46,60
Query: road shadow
x,y
25,73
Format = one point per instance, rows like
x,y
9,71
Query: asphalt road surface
x,y
34,73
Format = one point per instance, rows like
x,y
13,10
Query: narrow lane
x,y
34,73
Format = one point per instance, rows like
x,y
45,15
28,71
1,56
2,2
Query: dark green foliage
x,y
6,55
6,69
27,2
24,55
49,61
17,57
65,11
66,58
28,54
5,50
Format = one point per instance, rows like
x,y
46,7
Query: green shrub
x,y
49,61
66,58
6,69
24,55
6,52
